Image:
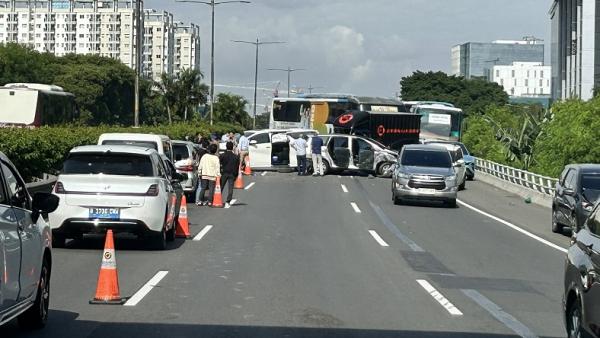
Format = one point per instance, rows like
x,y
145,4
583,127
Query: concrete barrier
x,y
536,197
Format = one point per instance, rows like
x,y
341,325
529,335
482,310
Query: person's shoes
x,y
199,204
227,205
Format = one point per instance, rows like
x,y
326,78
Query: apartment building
x,y
187,47
159,44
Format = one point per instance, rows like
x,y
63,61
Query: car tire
x,y
384,169
171,233
159,240
451,203
397,201
462,185
37,315
556,227
574,320
326,167
58,241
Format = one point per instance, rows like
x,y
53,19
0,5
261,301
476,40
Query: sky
x,y
362,47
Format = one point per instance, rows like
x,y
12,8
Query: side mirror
x,y
43,204
569,192
460,162
253,142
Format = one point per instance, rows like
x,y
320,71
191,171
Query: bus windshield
x,y
440,124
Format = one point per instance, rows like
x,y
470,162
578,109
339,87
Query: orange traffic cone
x,y
239,182
107,290
247,169
183,227
217,198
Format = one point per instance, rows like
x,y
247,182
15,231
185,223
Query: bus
x,y
34,105
319,111
439,121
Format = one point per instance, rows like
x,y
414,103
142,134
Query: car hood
x,y
414,170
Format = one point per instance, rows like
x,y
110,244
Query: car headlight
x,y
402,175
451,178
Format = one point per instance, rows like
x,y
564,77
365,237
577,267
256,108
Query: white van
x,y
160,143
270,148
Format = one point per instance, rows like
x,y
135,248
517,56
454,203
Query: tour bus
x,y
439,121
319,111
35,105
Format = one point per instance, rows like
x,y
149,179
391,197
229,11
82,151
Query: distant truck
x,y
392,129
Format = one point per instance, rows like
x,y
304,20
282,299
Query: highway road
x,y
327,257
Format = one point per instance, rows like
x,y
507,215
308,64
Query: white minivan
x,y
160,143
270,149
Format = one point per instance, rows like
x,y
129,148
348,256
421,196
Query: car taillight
x,y
153,190
59,188
186,168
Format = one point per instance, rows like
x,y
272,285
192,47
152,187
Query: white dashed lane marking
x,y
355,207
203,232
344,188
378,238
144,290
249,186
453,310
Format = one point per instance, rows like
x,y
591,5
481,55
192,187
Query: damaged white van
x,y
270,148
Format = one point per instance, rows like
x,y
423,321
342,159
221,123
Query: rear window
x,y
421,158
108,164
144,144
181,152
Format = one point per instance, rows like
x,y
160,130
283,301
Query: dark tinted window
x,y
290,111
421,158
145,144
181,152
261,138
3,198
570,179
109,164
17,192
340,142
593,223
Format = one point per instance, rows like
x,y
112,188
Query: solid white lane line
x,y
264,173
203,232
249,186
453,310
138,296
355,207
510,225
378,238
344,188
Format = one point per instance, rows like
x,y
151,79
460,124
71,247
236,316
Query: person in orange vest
x,y
209,171
230,166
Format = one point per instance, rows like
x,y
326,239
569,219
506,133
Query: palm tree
x,y
231,108
191,91
167,86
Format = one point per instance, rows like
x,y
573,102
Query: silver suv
x,y
25,252
425,172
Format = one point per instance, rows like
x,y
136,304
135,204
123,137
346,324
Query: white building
x,y
187,47
523,79
159,44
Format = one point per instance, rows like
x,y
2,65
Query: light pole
x,y
212,4
138,66
289,71
257,43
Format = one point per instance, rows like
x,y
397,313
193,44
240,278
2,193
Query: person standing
x,y
300,146
243,148
317,157
209,171
230,166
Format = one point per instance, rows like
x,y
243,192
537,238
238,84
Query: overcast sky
x,y
361,47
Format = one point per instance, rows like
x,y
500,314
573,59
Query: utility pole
x,y
257,43
138,67
212,4
289,71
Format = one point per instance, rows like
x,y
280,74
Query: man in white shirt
x,y
300,146
243,149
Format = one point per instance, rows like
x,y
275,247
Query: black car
x,y
576,193
581,300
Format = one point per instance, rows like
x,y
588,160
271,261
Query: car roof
x,y
425,147
133,137
447,145
182,142
585,167
123,149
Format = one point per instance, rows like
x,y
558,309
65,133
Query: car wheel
x,y
556,227
397,201
159,240
574,329
451,203
172,232
384,169
326,168
37,315
58,241
462,185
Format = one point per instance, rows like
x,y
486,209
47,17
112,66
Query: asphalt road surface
x,y
326,257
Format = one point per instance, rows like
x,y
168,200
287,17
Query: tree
x,y
167,87
230,108
192,92
473,96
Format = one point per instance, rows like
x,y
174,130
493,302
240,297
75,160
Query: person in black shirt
x,y
230,166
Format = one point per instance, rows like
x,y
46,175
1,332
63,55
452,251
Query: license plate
x,y
104,213
427,191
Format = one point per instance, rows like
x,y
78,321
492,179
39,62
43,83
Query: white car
x,y
160,143
270,148
123,188
25,250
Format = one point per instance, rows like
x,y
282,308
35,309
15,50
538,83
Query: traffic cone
x,y
217,198
239,182
183,226
247,169
107,290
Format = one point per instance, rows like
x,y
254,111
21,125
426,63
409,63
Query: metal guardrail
x,y
542,184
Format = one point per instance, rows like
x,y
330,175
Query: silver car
x,y
25,250
425,172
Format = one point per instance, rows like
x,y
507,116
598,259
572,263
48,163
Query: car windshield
x,y
108,164
426,158
181,152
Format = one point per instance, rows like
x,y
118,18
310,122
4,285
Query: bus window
x,y
290,111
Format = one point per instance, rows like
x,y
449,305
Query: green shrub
x,y
42,150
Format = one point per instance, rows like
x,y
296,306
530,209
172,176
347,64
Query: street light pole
x,y
138,67
257,43
212,4
289,71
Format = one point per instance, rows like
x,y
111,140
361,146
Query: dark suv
x,y
581,300
576,193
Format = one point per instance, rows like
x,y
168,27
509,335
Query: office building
x,y
187,47
523,79
575,48
475,60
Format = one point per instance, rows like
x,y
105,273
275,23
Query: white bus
x,y
35,105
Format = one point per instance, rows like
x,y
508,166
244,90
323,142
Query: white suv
x,y
25,250
123,188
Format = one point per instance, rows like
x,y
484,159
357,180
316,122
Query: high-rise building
x,y
575,48
187,47
159,44
523,79
475,59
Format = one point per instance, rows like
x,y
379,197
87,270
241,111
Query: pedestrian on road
x,y
209,171
300,146
243,148
230,166
317,157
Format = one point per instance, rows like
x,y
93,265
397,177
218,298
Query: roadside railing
x,y
542,184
